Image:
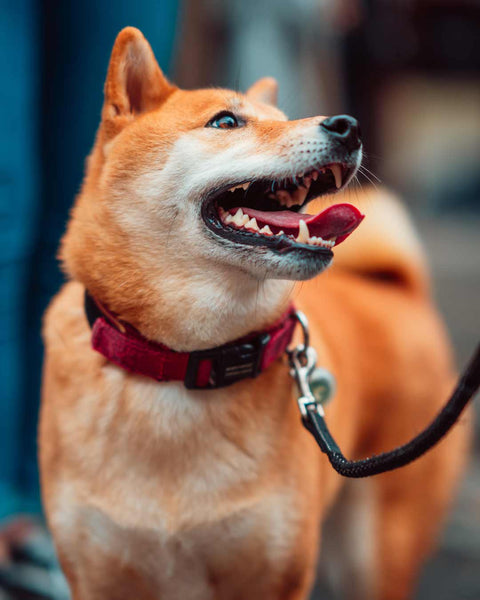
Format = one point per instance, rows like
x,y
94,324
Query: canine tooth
x,y
337,173
266,230
281,232
228,219
315,175
303,233
252,224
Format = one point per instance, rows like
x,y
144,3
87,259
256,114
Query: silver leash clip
x,y
315,385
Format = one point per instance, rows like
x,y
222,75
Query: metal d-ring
x,y
302,319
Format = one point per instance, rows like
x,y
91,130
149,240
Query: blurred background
x,y
409,70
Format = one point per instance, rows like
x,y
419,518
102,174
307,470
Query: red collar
x,y
123,345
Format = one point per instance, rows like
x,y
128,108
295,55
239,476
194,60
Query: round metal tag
x,y
322,384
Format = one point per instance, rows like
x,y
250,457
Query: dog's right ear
x,y
134,84
264,90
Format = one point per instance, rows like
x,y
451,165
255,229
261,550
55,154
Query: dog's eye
x,y
224,120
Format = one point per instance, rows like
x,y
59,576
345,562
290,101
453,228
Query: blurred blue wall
x,y
54,57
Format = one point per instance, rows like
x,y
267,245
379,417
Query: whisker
x,y
363,167
370,180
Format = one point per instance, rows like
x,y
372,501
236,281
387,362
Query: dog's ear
x,y
264,90
134,84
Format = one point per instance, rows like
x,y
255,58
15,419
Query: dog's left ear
x,y
264,90
135,83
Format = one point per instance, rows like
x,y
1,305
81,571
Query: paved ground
x,y
454,251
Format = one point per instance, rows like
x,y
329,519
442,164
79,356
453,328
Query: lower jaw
x,y
294,262
300,265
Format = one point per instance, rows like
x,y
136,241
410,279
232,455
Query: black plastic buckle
x,y
229,363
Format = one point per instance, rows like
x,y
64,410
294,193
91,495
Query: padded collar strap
x,y
123,345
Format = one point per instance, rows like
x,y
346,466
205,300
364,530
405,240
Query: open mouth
x,y
269,212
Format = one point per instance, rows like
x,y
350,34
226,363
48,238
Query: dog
x,y
199,212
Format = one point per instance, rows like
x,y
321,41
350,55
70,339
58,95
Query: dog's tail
x,y
386,245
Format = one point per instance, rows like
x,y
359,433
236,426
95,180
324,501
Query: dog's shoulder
x,y
65,319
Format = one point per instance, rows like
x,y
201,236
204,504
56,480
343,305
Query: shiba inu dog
x,y
199,212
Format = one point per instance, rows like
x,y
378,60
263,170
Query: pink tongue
x,y
336,221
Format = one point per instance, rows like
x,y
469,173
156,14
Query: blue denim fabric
x,y
54,57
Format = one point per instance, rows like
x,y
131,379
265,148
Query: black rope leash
x,y
302,361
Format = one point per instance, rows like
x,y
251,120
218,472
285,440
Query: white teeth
x,y
252,224
315,175
303,233
304,237
240,219
318,241
337,173
243,186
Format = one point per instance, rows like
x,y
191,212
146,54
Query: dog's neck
x,y
213,305
185,302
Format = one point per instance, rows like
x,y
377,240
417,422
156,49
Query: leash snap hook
x,y
302,362
316,385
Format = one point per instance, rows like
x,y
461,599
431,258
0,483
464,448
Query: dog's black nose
x,y
345,129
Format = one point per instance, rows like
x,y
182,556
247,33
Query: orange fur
x,y
155,491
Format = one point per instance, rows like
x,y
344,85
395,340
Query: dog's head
x,y
210,177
